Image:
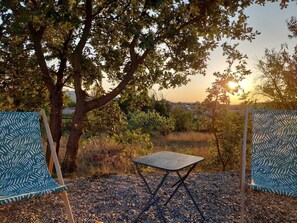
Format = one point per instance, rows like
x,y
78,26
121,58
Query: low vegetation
x,y
103,154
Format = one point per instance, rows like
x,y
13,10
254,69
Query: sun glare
x,y
232,84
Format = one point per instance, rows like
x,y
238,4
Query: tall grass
x,y
191,143
102,155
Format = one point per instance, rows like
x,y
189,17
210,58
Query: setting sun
x,y
232,85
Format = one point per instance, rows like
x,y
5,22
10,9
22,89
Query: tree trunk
x,y
69,164
214,131
55,123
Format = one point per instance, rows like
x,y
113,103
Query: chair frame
x,y
54,157
243,184
55,162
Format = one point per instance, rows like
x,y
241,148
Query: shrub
x,y
162,107
183,119
150,123
229,132
110,120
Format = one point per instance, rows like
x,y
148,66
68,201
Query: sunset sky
x,y
270,20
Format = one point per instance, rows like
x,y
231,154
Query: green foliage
x,y
133,98
161,106
278,80
107,120
66,123
17,91
292,26
134,143
150,123
229,128
183,119
68,102
203,124
165,40
71,104
223,123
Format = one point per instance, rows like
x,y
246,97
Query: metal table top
x,y
169,161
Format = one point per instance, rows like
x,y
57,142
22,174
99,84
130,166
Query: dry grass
x,y
192,143
102,155
98,156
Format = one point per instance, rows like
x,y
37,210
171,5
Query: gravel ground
x,y
119,198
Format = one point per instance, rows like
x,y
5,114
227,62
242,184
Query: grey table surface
x,y
169,161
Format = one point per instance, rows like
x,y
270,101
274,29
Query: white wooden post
x,y
57,166
243,166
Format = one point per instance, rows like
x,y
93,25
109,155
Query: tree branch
x,y
97,102
36,39
86,31
63,58
76,57
104,5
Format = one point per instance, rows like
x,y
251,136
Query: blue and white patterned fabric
x,y
274,151
23,170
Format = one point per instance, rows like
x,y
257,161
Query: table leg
x,y
193,200
180,182
153,195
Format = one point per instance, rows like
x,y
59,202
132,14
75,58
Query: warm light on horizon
x,y
271,22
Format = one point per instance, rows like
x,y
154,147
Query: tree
x,y
279,74
161,106
229,125
224,125
279,78
109,120
15,65
128,43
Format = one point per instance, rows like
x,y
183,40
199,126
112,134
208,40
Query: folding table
x,y
168,162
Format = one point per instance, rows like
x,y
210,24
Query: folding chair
x,y
274,153
23,170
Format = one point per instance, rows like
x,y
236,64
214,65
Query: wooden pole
x,y
57,166
52,147
51,162
243,166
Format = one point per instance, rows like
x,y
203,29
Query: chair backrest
x,y
21,154
274,151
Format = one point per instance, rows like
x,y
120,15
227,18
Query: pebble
x,y
120,197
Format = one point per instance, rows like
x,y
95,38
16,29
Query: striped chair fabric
x,y
274,151
23,170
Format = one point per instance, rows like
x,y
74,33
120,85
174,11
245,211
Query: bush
x,y
162,107
110,119
150,123
134,143
183,119
229,131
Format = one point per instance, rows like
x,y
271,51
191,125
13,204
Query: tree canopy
x,y
279,74
130,44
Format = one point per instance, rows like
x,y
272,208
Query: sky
x,y
270,20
